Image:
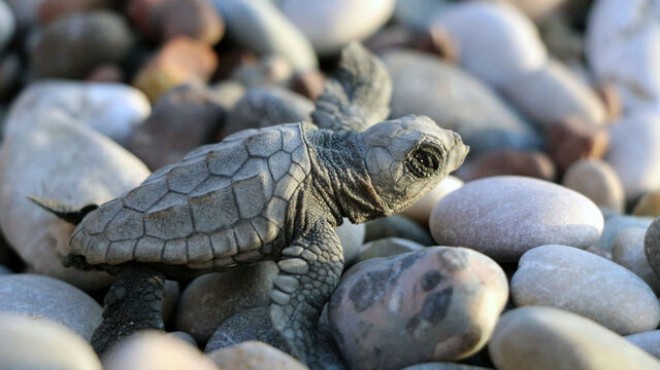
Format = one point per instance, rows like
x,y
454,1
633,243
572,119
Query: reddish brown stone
x,y
508,162
308,84
197,19
572,140
51,10
145,15
435,40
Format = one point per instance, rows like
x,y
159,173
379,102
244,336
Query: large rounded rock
x,y
32,343
39,296
505,216
436,304
423,84
545,338
596,179
588,285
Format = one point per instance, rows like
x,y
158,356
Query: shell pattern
x,y
224,204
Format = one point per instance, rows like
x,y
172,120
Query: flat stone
x,y
649,341
155,350
500,162
439,304
547,338
211,299
423,84
38,343
628,251
504,216
591,286
596,179
40,296
331,26
254,355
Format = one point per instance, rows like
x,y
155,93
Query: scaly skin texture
x,y
276,193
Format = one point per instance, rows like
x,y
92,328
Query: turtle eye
x,y
424,161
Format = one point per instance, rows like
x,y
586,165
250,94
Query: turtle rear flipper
x,y
358,95
65,212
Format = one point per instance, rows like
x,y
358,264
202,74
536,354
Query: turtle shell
x,y
224,203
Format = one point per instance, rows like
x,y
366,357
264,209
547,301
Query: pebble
x,y
7,25
649,341
51,10
25,14
504,216
591,286
72,46
266,71
254,355
569,341
267,106
652,245
596,179
180,60
500,162
438,304
261,27
197,19
331,26
628,251
186,117
36,343
39,296
351,237
496,41
150,350
11,72
28,167
444,366
396,226
614,225
648,205
386,247
424,84
211,299
571,140
421,209
635,152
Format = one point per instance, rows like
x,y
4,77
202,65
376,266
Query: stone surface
x,y
444,366
568,341
652,245
88,168
649,341
272,70
211,299
150,350
51,10
635,151
197,19
648,205
179,60
397,227
571,140
424,84
614,224
40,296
595,179
34,343
628,251
186,117
254,355
330,26
591,286
261,27
421,210
529,163
351,237
7,25
496,42
436,304
75,44
504,216
387,247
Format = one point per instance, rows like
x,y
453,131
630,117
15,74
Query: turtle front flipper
x,y
309,272
133,302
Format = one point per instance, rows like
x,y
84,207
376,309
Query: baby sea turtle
x,y
275,193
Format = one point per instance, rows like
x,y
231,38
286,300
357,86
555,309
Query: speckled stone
x,y
7,25
529,163
439,304
496,41
614,224
424,84
649,341
73,45
591,286
36,343
212,298
43,297
254,355
396,227
504,216
648,205
635,152
628,251
545,338
421,210
149,350
595,179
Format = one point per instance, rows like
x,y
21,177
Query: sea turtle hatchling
x,y
273,193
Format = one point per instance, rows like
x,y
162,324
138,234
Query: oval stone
x,y
649,341
433,305
254,355
586,284
546,338
420,211
628,251
596,179
504,216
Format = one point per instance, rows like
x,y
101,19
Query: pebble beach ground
x,y
541,252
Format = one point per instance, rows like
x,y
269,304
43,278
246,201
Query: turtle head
x,y
407,157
